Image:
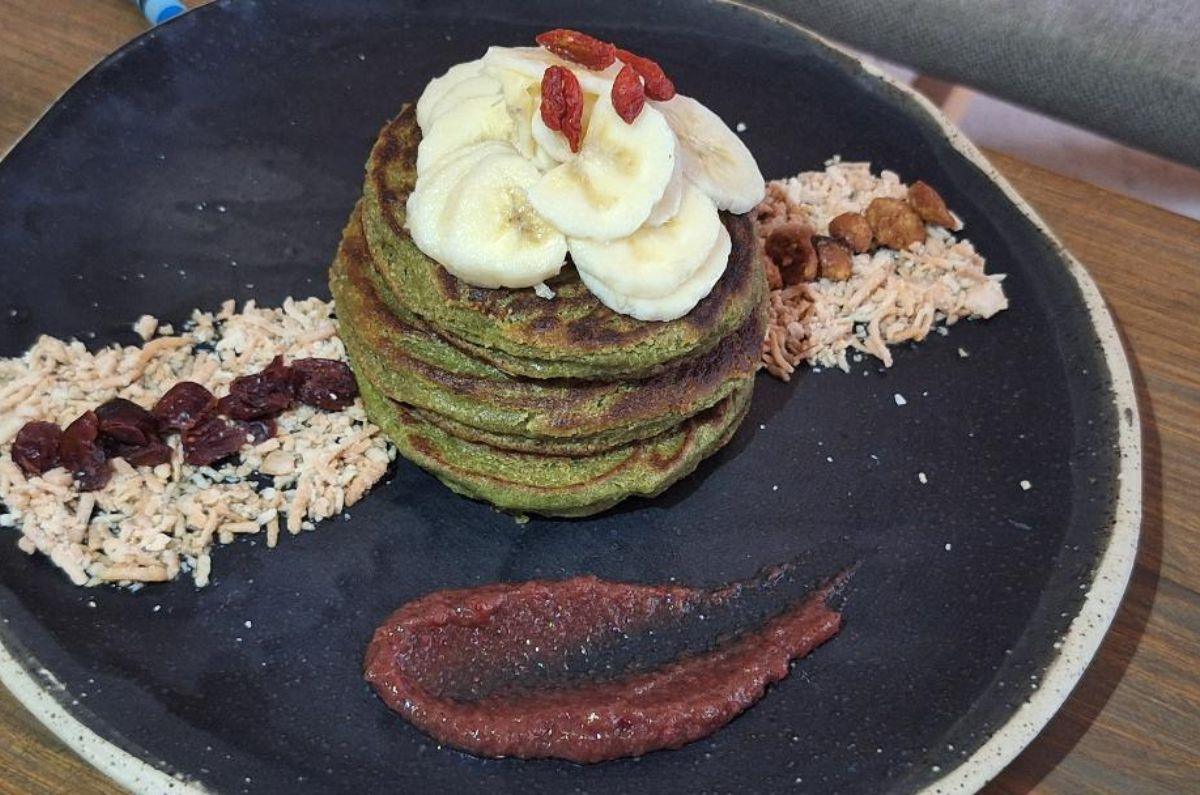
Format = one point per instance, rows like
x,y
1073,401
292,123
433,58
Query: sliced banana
x,y
655,260
471,121
543,160
520,95
680,301
533,62
607,190
438,87
554,144
427,202
490,234
672,197
482,85
713,156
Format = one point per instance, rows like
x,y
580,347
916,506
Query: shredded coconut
x,y
891,296
150,525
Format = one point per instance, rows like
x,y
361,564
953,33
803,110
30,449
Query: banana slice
x,y
554,144
438,87
681,301
520,95
482,85
533,62
621,171
490,234
654,260
672,198
713,156
471,121
543,160
427,203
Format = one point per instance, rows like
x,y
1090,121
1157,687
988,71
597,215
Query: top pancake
x,y
572,335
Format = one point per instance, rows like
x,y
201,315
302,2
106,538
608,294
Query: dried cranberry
x,y
212,439
263,394
126,422
151,454
184,405
36,447
324,383
259,430
80,452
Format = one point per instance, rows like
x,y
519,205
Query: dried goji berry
x,y
658,85
628,96
580,48
35,449
562,104
81,453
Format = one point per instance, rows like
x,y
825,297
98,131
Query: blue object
x,y
159,11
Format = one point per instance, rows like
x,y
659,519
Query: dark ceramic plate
x,y
220,154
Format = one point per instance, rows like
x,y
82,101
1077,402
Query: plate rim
x,y
39,691
1111,575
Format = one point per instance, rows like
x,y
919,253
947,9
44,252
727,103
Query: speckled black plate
x,y
219,155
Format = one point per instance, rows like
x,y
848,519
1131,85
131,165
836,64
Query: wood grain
x,y
1133,723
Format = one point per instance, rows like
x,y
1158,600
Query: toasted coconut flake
x,y
890,297
150,525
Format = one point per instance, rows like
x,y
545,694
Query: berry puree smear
x,y
588,670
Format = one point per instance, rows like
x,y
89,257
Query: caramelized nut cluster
x,y
796,253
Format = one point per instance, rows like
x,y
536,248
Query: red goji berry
x,y
657,85
628,96
562,104
578,48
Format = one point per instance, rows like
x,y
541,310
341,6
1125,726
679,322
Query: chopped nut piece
x,y
834,257
930,206
790,248
895,224
854,230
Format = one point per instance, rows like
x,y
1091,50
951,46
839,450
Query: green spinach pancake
x,y
548,405
573,335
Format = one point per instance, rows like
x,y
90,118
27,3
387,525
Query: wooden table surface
x,y
1133,723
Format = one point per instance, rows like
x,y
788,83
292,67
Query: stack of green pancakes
x,y
556,406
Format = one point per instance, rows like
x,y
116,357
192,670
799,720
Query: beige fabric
x,y
1129,70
